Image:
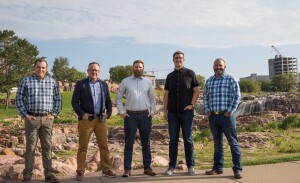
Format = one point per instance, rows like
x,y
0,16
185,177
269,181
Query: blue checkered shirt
x,y
38,96
221,94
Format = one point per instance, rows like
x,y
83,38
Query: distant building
x,y
151,77
280,65
255,77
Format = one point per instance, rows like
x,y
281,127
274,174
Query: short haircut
x,y
41,59
220,59
92,63
138,61
178,52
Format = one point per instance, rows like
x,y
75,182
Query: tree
x,y
17,57
201,81
62,72
284,82
119,72
60,65
249,86
74,75
266,85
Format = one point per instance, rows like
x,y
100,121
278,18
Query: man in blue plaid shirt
x,y
39,102
221,98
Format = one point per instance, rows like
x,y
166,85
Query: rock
x,y
62,168
116,162
181,167
92,166
15,171
159,161
9,159
7,151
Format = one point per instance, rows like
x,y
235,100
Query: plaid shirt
x,y
38,96
221,94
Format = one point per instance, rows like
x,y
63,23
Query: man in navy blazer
x,y
92,104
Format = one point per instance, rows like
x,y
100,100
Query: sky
x,y
117,32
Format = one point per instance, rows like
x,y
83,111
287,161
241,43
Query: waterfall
x,y
250,106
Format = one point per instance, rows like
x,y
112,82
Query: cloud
x,y
193,23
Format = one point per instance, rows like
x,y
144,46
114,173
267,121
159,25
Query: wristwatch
x,y
193,105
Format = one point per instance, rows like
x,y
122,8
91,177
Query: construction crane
x,y
278,53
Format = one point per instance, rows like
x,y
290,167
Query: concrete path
x,y
288,172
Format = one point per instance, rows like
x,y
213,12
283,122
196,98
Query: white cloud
x,y
194,23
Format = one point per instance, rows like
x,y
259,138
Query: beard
x,y
138,73
219,72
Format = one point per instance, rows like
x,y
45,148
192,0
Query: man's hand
x,y
189,107
86,116
30,118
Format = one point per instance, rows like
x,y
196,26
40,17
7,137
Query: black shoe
x,y
213,172
51,179
237,175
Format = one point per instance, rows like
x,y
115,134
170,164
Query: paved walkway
x,y
288,172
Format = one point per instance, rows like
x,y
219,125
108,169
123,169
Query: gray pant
x,y
35,129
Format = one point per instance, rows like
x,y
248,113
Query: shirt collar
x,y
132,77
180,70
90,80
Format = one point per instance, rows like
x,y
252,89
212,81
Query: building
x,y
255,77
281,65
151,77
160,83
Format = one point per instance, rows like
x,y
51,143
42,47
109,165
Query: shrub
x,y
290,122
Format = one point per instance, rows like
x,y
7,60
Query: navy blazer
x,y
82,100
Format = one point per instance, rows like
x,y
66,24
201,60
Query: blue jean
x,y
185,121
131,124
219,125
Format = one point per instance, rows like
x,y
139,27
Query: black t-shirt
x,y
180,84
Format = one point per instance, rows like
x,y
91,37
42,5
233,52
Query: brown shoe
x,y
150,172
51,179
213,172
127,173
79,176
26,180
237,175
109,173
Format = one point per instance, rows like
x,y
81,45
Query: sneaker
x,y
170,171
79,176
213,172
150,172
109,173
191,170
51,179
237,175
26,180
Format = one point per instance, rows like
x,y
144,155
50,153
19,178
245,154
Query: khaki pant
x,y
40,128
85,130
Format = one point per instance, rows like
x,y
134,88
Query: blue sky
x,y
117,32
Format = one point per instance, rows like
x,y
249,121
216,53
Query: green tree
x,y
17,57
249,86
60,66
62,72
74,75
266,85
201,81
119,72
284,82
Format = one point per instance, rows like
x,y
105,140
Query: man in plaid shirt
x,y
221,98
39,102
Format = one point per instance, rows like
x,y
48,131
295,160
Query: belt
x,y
137,112
218,113
38,114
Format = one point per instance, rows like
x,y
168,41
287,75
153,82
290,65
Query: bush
x,y
203,135
290,122
252,127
